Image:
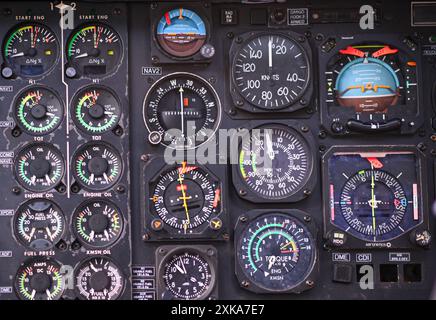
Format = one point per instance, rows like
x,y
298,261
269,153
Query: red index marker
x,y
167,18
384,52
375,163
351,51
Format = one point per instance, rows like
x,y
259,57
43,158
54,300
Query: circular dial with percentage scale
x,y
96,110
275,162
260,76
186,198
31,50
94,50
99,278
188,275
38,110
98,223
182,110
39,224
97,166
39,167
276,252
39,279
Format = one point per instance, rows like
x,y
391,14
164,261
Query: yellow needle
x,y
373,197
185,203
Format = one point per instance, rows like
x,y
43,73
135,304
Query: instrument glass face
x,y
276,252
275,162
31,50
187,199
188,276
371,79
374,196
94,50
181,33
260,77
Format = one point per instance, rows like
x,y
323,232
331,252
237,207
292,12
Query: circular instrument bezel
x,y
300,218
13,31
17,103
301,100
166,254
305,188
21,211
207,86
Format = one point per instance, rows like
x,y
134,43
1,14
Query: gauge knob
x,y
39,167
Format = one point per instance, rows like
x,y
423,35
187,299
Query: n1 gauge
x,y
96,110
38,110
99,278
39,224
39,279
39,167
276,252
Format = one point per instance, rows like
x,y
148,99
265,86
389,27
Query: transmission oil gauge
x,y
39,167
31,50
94,50
97,166
276,252
38,110
99,278
96,110
275,162
39,224
98,223
187,199
181,111
181,33
39,279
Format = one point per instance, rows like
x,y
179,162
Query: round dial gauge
x,y
99,279
31,50
96,110
39,167
259,74
94,50
39,279
38,111
39,224
186,198
181,33
182,110
276,252
374,203
275,162
98,223
188,275
374,196
97,166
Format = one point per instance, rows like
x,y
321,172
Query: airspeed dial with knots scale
x,y
182,111
271,71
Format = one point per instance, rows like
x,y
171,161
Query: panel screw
x,y
305,129
121,189
16,190
145,237
322,134
230,35
145,158
310,283
155,59
242,192
307,192
307,218
245,283
243,219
